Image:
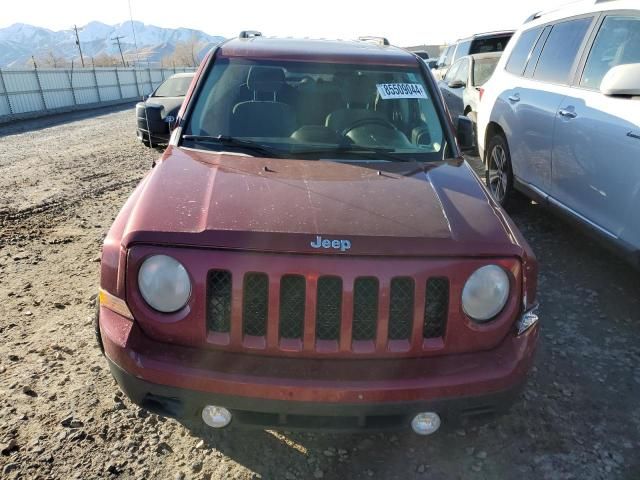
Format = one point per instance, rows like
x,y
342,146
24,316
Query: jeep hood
x,y
230,201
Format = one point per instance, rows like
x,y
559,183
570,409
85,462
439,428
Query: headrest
x,y
265,79
360,90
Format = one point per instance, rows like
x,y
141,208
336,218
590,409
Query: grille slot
x,y
255,302
219,301
329,308
365,308
401,304
292,303
436,307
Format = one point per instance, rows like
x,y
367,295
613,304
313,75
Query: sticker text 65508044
x,y
401,90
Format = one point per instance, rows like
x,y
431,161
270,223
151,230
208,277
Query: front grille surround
x,y
222,305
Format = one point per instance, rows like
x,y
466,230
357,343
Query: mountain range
x,y
19,42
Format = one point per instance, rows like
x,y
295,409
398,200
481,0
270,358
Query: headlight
x,y
164,283
485,293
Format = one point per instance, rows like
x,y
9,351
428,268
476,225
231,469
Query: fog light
x,y
216,417
425,423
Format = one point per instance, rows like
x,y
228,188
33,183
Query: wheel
x,y
499,171
96,327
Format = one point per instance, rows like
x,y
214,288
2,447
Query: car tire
x,y
96,327
499,171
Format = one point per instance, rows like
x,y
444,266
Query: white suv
x,y
560,117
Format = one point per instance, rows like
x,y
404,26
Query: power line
x,y
117,39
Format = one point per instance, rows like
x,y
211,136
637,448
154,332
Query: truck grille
x,y
362,314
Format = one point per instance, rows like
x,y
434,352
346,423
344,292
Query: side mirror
x,y
457,84
622,80
464,133
157,124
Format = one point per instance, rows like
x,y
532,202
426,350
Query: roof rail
x,y
378,40
537,15
249,34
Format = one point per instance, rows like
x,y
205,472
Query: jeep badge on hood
x,y
342,245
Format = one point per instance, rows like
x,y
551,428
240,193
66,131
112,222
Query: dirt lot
x,y
62,181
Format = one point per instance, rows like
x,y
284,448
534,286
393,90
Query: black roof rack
x,y
249,34
379,40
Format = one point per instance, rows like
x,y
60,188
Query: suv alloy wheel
x,y
499,173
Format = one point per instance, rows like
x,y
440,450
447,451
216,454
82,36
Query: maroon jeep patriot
x,y
312,251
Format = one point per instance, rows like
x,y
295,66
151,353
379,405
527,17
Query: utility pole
x,y
75,28
117,39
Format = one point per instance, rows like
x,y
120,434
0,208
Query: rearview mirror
x,y
457,84
464,133
622,80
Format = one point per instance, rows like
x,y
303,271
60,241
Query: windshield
x,y
316,109
174,87
483,69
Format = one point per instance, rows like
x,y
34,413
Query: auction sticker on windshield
x,y
389,91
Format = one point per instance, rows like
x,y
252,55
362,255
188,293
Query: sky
x,y
404,22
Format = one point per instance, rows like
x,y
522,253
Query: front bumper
x,y
329,394
143,136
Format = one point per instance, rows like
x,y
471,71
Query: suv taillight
x,y
481,92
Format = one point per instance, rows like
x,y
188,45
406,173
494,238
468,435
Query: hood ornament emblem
x,y
334,244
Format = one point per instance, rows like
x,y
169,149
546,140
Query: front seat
x,y
264,115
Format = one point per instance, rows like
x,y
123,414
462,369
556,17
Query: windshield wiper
x,y
227,141
380,153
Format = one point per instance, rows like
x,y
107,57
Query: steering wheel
x,y
369,121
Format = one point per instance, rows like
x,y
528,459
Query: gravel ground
x,y
62,182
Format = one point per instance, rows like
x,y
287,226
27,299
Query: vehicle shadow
x,y
284,454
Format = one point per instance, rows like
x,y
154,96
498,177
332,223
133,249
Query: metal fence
x,y
39,92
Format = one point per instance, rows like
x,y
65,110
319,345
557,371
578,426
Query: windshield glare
x,y
174,87
296,107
